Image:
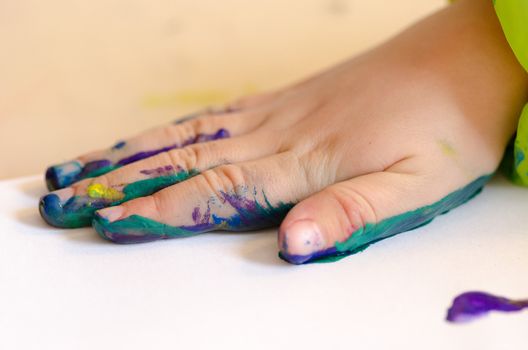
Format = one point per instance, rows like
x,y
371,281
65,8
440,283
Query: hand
x,y
378,145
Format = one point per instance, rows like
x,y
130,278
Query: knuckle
x,y
191,156
186,158
226,178
357,208
156,202
179,132
172,132
198,125
174,158
316,169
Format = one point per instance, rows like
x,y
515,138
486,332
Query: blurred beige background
x,y
77,75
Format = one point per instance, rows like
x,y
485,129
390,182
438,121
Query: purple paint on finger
x,y
145,154
470,305
162,170
202,221
220,134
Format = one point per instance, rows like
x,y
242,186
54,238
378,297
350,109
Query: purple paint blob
x,y
471,305
201,221
250,214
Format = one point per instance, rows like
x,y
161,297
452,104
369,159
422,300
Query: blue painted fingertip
x,y
62,175
51,206
62,209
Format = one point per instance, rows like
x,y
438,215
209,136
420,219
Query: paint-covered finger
x,y
346,217
196,129
231,197
74,206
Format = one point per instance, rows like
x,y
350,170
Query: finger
x,y
346,217
74,206
233,197
200,128
253,101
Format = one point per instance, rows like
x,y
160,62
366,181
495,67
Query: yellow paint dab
x,y
447,148
101,191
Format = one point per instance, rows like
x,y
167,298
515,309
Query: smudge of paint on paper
x,y
205,113
186,98
471,305
195,98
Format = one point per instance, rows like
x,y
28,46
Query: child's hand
x,y
376,146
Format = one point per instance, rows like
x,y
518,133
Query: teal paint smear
x,y
136,229
375,232
146,187
100,171
78,211
250,215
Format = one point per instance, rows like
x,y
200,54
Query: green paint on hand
x,y
371,233
78,211
147,187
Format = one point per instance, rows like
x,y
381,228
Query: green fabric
x,y
513,16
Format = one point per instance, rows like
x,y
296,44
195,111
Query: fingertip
x,y
51,206
100,225
111,214
62,175
62,208
51,177
301,241
50,209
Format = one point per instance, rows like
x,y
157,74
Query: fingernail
x,y
112,213
62,175
301,239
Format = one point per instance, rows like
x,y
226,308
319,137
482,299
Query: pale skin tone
x,y
394,129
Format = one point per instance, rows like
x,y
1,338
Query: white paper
x,y
69,289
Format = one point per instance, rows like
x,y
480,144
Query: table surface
x,y
69,289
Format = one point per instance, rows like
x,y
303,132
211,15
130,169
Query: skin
x,y
393,134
